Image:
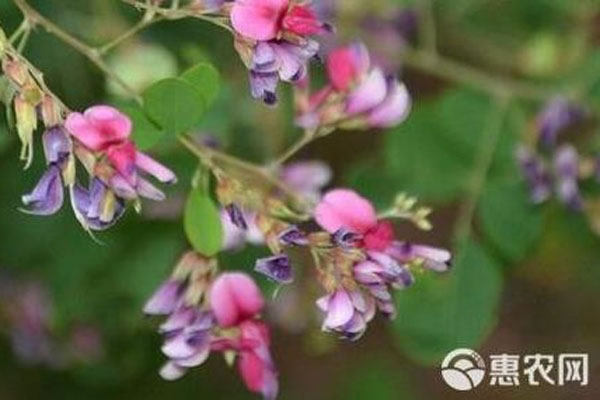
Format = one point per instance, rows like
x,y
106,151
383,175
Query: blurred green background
x,y
526,280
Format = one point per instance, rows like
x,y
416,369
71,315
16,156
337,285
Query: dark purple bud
x,y
293,237
346,239
48,195
535,173
236,216
566,164
558,115
57,146
277,268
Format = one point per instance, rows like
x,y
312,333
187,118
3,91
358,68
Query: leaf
x,y
509,219
202,223
205,78
438,315
145,133
174,104
432,153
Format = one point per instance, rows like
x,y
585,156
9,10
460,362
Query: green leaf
x,y
440,314
202,223
205,78
509,219
174,104
145,133
432,153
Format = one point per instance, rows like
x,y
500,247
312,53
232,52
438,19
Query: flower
x,y
307,178
98,208
48,195
234,298
277,268
208,313
566,165
557,116
264,20
357,96
104,131
383,262
273,41
347,312
278,60
535,173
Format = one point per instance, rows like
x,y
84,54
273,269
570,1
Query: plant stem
x,y
483,162
91,54
451,70
145,22
307,137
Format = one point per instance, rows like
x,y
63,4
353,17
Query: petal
x,y
277,268
154,168
258,19
342,208
341,68
233,237
264,85
149,191
394,109
57,145
99,127
178,319
178,347
235,297
122,188
369,94
171,372
165,299
339,310
122,157
48,195
198,358
307,177
303,21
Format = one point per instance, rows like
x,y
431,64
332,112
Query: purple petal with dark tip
x,y
48,195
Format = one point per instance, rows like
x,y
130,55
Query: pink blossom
x,y
234,298
342,208
255,364
265,20
99,127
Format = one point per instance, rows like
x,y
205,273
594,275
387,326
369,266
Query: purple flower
x,y
98,208
433,258
308,178
278,60
48,195
236,216
535,173
277,268
347,239
566,165
166,298
293,237
347,312
187,341
558,115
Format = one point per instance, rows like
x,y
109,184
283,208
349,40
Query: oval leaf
x,y
202,223
205,78
174,104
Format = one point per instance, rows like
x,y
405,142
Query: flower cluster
x,y
553,164
207,312
273,38
358,95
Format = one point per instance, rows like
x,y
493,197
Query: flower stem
x,y
91,54
307,137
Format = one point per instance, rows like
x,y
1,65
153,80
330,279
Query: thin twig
x,y
91,54
483,162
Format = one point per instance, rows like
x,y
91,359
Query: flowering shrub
x,y
334,243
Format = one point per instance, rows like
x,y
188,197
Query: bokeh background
x,y
526,280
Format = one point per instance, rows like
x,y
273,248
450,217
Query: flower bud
x,y
16,71
26,124
50,111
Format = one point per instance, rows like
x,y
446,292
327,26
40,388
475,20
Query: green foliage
x,y
440,314
509,220
145,132
206,79
202,223
174,104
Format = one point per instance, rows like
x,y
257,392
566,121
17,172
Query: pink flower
x,y
359,94
99,127
255,363
234,298
105,130
266,19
